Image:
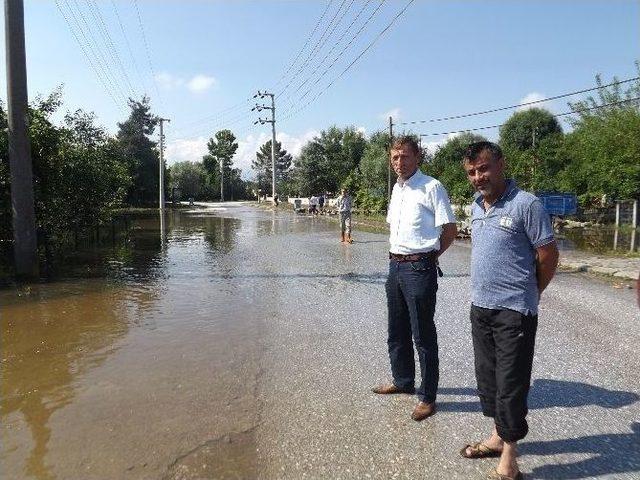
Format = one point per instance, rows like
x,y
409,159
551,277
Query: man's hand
x,y
448,235
546,263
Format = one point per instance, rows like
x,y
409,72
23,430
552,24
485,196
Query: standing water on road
x,y
139,352
237,342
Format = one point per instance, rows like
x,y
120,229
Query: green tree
x,y
190,178
521,138
80,174
619,94
524,128
262,166
326,161
446,166
374,166
602,156
143,158
222,147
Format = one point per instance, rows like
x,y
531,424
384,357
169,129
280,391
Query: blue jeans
x,y
411,300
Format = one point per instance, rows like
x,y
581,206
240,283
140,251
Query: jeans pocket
x,y
422,266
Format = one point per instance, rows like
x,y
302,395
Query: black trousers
x,y
411,300
503,344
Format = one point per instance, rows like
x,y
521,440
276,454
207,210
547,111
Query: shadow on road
x,y
612,453
547,393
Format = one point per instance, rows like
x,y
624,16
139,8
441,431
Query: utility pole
x,y
389,162
262,121
25,241
161,184
221,179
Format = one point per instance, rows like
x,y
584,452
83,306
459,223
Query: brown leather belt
x,y
414,257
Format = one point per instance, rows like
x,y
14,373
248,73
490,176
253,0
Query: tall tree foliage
x,y
191,180
221,149
525,138
262,166
80,174
619,95
134,139
328,159
446,166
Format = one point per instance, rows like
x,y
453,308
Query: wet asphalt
x,y
247,349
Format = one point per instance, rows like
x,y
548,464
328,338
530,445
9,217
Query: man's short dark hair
x,y
474,150
406,141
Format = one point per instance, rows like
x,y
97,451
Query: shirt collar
x,y
411,180
511,186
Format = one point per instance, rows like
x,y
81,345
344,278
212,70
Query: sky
x,y
329,62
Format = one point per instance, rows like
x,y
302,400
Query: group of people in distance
x,y
316,204
343,206
514,257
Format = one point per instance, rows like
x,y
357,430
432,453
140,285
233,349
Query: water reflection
x,y
600,240
50,338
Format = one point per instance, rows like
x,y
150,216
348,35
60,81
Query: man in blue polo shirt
x,y
514,257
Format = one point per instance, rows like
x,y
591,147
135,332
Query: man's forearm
x,y
448,235
546,264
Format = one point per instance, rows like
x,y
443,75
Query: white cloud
x,y
169,82
248,147
394,113
193,149
531,97
200,83
431,147
186,149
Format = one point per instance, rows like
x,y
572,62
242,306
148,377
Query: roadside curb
x,y
597,269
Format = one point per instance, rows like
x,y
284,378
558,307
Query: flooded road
x,y
242,343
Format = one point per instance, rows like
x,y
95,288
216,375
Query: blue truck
x,y
558,203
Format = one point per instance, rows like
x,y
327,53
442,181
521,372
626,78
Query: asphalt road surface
x,y
246,347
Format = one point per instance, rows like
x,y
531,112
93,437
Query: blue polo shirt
x,y
503,258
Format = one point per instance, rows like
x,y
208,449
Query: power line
x,y
84,47
309,37
347,46
534,102
355,19
147,52
128,45
94,46
358,57
219,115
113,51
572,112
315,48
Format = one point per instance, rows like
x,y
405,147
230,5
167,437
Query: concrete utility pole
x,y
161,184
25,241
389,162
262,121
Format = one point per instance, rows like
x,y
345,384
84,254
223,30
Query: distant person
x,y
313,205
422,226
276,199
343,204
513,259
321,202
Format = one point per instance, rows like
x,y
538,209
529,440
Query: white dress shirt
x,y
419,207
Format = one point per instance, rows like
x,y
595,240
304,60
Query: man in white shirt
x,y
343,204
313,205
422,226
